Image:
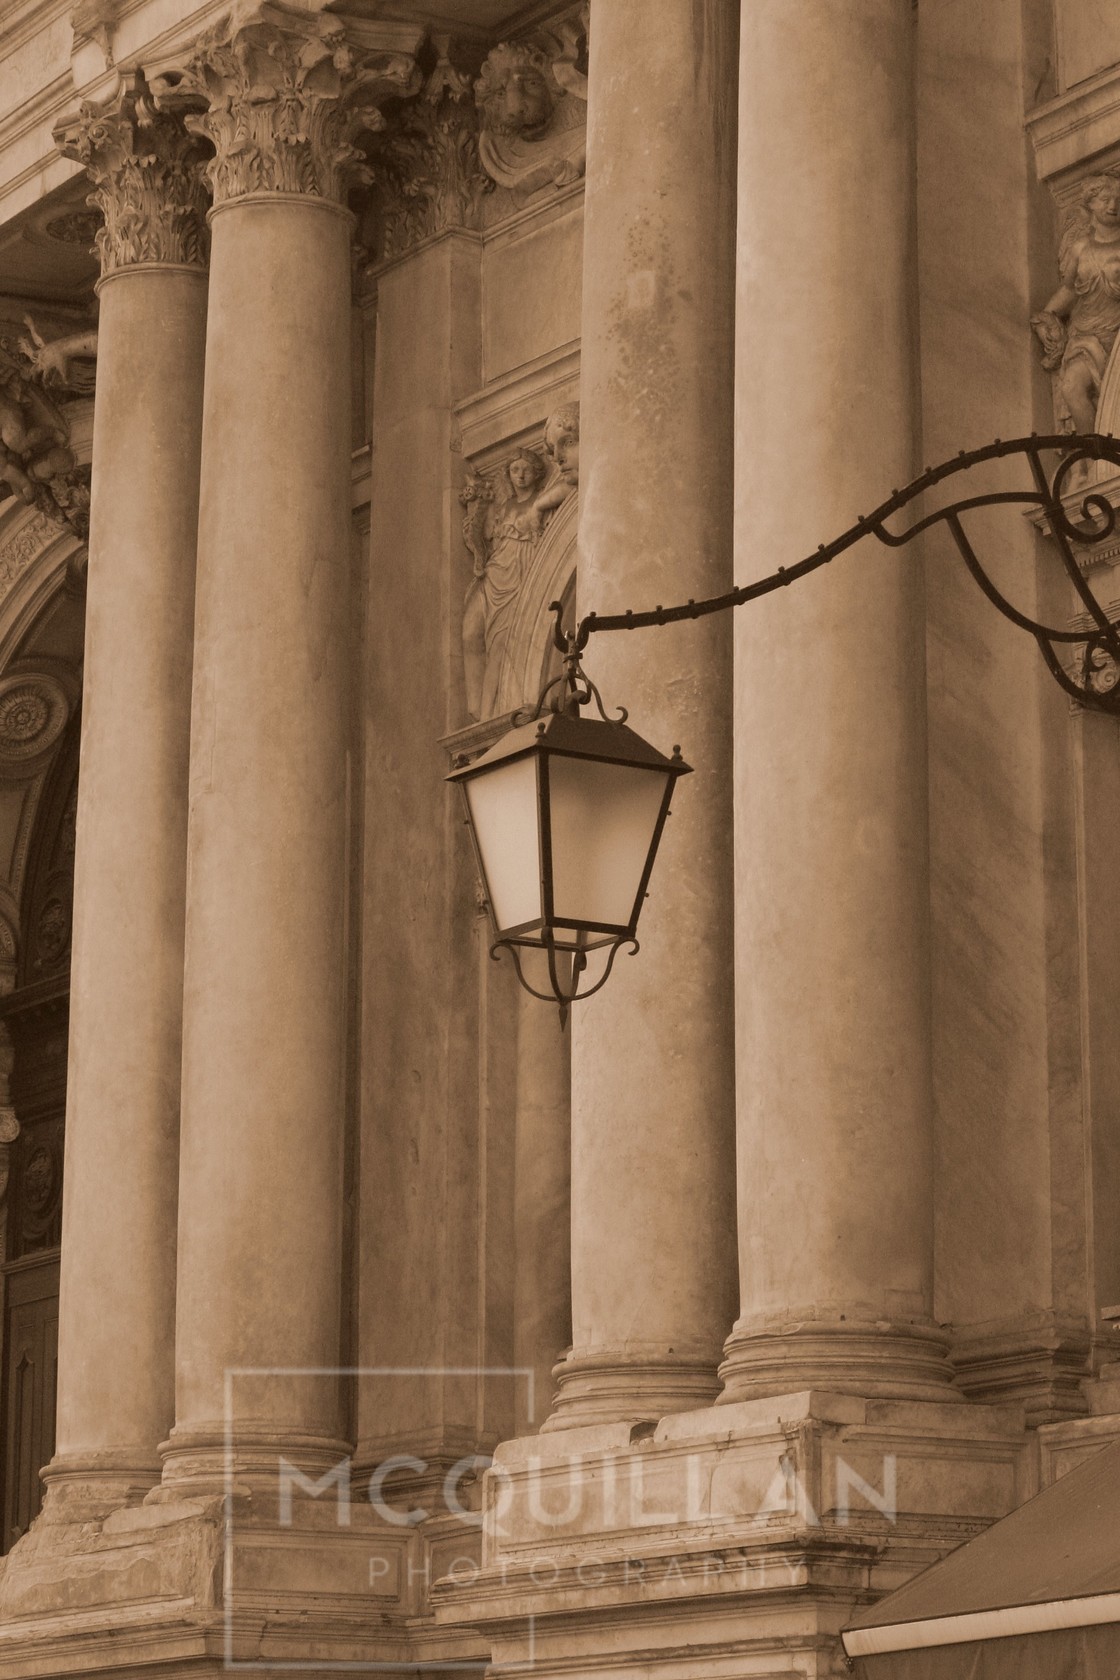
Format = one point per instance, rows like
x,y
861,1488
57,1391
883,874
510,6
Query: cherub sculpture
x,y
1077,329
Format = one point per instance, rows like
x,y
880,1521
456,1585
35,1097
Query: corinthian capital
x,y
146,174
281,95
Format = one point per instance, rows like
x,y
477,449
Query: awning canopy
x,y
1035,1597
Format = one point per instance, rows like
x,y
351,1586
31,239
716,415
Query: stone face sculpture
x,y
1077,329
503,523
532,118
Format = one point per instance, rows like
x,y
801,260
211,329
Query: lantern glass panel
x,y
603,820
504,811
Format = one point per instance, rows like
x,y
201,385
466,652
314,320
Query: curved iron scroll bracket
x,y
1095,679
563,994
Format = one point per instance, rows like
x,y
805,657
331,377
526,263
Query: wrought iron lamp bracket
x,y
1095,682
565,995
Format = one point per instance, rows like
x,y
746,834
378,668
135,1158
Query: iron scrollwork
x,y
1095,680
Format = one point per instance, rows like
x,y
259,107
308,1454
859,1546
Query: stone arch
x,y
42,615
41,585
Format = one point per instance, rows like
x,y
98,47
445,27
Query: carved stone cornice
x,y
426,164
146,174
281,95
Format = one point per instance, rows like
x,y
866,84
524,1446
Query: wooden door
x,y
30,1382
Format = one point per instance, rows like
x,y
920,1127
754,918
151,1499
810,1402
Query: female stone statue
x,y
500,530
1078,327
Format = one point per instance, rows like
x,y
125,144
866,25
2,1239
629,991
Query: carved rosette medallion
x,y
33,713
22,548
146,174
281,99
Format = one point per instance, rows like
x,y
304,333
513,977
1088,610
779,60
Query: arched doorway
x,y
35,1016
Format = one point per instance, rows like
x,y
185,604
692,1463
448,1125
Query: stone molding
x,y
1076,126
147,178
738,1538
879,1358
1042,1367
511,410
281,97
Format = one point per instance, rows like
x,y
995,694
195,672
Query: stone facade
x,y
354,1312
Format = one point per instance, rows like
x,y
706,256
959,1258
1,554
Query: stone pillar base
x,y
86,1487
880,1359
212,1460
736,1540
630,1384
1042,1365
311,1580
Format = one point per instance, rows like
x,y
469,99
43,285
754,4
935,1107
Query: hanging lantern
x,y
566,813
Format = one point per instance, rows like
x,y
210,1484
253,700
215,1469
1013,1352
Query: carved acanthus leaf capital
x,y
281,96
146,174
428,174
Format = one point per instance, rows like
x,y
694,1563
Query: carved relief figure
x,y
532,114
561,442
69,363
33,434
36,461
501,528
1078,327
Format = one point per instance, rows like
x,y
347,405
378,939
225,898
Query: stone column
x,y
832,990
264,1018
542,1314
117,1309
652,1079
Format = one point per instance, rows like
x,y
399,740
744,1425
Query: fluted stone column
x,y
834,1100
652,1098
117,1309
264,1017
